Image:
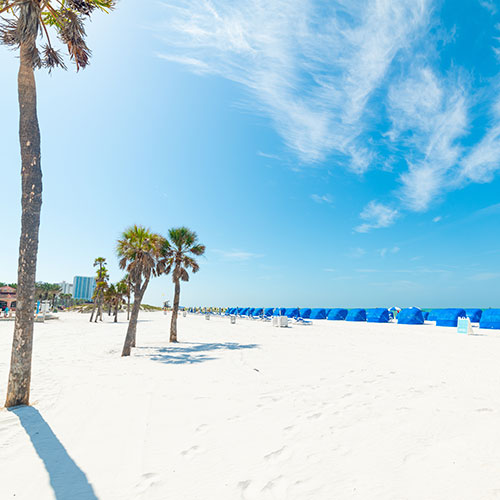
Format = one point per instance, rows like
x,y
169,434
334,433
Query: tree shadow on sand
x,y
189,352
67,479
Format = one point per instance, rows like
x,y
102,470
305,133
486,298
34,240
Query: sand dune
x,y
247,411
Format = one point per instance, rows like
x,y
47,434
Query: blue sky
x,y
340,153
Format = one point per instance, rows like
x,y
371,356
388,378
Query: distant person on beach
x,y
6,311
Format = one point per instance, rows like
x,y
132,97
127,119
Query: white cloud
x,y
376,215
270,156
429,115
489,5
311,67
356,253
320,71
237,255
485,276
195,64
325,198
437,218
384,251
483,161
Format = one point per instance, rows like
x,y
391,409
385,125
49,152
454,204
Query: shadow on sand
x,y
188,352
67,479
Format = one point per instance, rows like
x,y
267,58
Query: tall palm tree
x,y
138,250
22,22
177,258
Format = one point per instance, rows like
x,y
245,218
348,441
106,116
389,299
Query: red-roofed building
x,y
7,297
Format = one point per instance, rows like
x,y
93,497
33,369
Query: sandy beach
x,y
331,411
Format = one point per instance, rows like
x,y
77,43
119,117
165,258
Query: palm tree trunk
x,y
18,390
99,307
175,310
132,325
116,312
128,306
93,311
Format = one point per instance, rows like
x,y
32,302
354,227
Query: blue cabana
x,y
250,311
426,315
268,311
305,312
449,317
356,315
318,313
337,314
434,314
377,315
292,312
243,311
490,319
258,311
411,316
474,315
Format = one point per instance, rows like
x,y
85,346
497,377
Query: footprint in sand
x,y
249,490
314,416
277,488
148,480
275,455
202,428
191,452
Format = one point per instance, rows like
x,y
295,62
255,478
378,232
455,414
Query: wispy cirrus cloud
x,y
311,66
376,215
489,5
483,160
237,255
349,80
384,251
322,198
429,116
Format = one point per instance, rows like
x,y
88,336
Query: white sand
x,y
247,411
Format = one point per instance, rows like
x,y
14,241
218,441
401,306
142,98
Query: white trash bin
x,y
232,318
283,321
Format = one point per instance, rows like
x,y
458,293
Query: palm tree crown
x,y
138,250
177,253
29,18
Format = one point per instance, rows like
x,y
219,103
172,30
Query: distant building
x,y
7,297
66,288
83,287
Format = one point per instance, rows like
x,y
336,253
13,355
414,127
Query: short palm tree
x,y
177,258
138,250
121,291
100,288
22,23
126,282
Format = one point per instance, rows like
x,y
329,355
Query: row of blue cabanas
x,y
489,318
378,315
